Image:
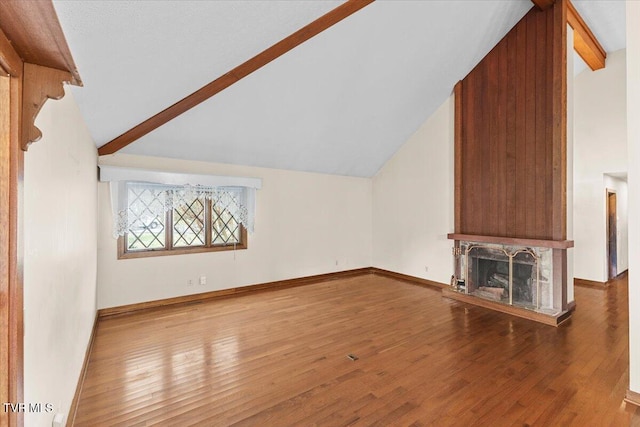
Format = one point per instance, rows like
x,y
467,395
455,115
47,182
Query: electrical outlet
x,y
190,282
203,280
58,420
426,269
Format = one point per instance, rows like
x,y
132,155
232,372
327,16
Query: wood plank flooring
x,y
279,358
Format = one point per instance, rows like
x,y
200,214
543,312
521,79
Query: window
x,y
171,220
158,212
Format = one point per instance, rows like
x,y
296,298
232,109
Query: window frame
x,y
169,249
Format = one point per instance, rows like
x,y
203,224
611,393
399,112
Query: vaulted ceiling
x,y
342,102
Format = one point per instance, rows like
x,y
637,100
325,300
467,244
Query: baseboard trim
x,y
243,290
590,283
83,372
618,277
632,398
571,306
508,309
406,278
596,284
281,284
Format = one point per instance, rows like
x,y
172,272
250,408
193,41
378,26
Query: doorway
x,y
612,234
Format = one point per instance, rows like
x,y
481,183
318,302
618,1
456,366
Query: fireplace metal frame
x,y
551,275
510,256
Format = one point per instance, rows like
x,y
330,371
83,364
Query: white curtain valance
x,y
119,173
163,191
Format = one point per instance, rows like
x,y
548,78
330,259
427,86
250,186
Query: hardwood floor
x,y
279,358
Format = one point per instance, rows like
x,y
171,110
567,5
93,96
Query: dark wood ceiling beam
x,y
285,45
543,4
584,41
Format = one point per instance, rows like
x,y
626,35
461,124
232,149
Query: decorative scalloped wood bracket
x,y
40,84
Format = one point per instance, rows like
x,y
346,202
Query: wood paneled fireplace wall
x,y
510,143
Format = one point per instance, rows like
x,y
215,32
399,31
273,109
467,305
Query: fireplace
x,y
523,275
499,275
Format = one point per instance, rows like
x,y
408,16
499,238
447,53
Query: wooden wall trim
x,y
584,41
556,244
11,284
16,253
559,128
590,283
407,278
10,61
5,260
83,373
263,58
188,299
40,84
632,398
280,284
457,152
597,284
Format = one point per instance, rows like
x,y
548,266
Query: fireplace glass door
x,y
516,275
505,274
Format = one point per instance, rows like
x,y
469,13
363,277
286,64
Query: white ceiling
x,y
341,103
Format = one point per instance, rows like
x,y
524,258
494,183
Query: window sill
x,y
181,251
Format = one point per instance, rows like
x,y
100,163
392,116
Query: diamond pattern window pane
x,y
146,219
225,230
188,224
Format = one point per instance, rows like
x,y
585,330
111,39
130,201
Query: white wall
x,y
306,224
600,147
60,241
633,128
413,202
